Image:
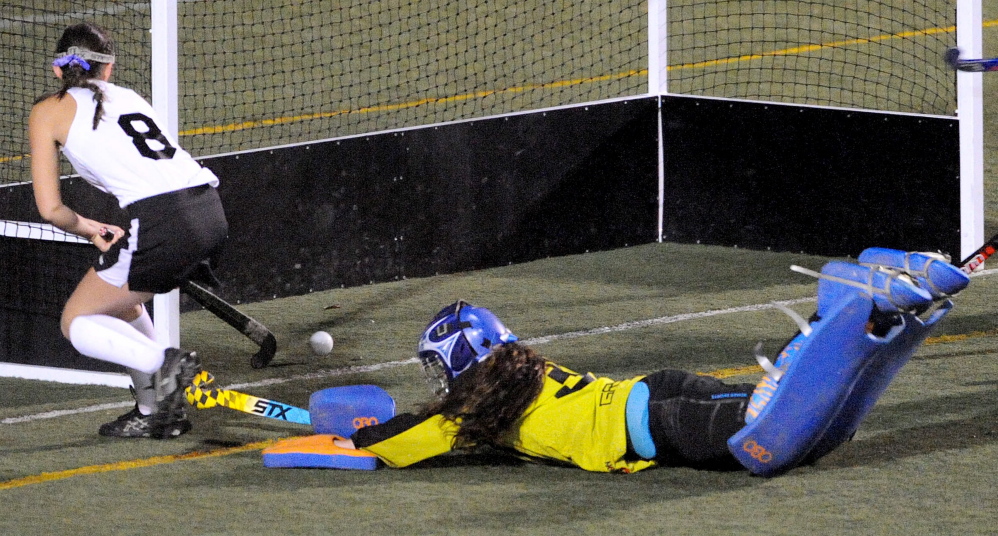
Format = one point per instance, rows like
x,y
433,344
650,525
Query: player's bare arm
x,y
48,127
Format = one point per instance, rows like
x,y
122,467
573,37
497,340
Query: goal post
x,y
166,307
970,111
689,55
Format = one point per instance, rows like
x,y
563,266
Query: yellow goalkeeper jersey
x,y
577,419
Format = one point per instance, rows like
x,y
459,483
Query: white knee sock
x,y
145,393
143,324
110,339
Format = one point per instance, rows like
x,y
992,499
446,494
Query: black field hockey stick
x,y
255,331
249,327
954,61
978,257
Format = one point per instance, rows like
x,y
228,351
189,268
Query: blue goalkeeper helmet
x,y
459,336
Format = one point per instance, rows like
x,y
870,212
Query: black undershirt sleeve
x,y
371,435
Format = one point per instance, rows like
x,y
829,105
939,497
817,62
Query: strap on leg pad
x,y
878,373
812,390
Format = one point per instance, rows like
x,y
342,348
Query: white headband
x,y
81,55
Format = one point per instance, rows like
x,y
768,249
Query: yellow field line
x,y
412,104
961,337
833,44
132,464
233,127
941,339
565,83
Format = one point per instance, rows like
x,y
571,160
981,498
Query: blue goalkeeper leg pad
x,y
892,290
878,373
793,411
932,271
342,410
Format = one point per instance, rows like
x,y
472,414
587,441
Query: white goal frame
x,y
970,112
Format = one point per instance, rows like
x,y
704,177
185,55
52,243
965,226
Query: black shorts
x,y
691,417
169,235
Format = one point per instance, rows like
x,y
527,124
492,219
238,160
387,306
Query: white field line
x,y
320,374
412,361
661,320
272,381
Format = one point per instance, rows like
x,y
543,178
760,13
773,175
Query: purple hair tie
x,y
71,59
80,55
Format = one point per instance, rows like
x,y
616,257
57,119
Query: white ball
x,y
321,342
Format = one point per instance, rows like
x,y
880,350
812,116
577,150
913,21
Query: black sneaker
x,y
131,424
177,425
177,372
135,424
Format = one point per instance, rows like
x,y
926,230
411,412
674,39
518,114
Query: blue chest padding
x,y
812,390
878,373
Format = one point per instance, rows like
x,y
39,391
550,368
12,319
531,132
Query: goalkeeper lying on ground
x,y
495,391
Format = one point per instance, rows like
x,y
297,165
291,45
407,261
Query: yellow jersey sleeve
x,y
408,439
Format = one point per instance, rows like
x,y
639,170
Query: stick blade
x,y
268,347
252,329
952,57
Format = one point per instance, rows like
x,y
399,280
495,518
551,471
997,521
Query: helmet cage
x,y
457,338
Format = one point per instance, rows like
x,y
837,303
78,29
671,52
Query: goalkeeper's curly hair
x,y
488,399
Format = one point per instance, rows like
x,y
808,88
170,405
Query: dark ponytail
x,y
489,398
86,37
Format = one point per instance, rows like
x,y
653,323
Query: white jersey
x,y
128,155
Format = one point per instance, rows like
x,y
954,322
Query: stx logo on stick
x,y
269,408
